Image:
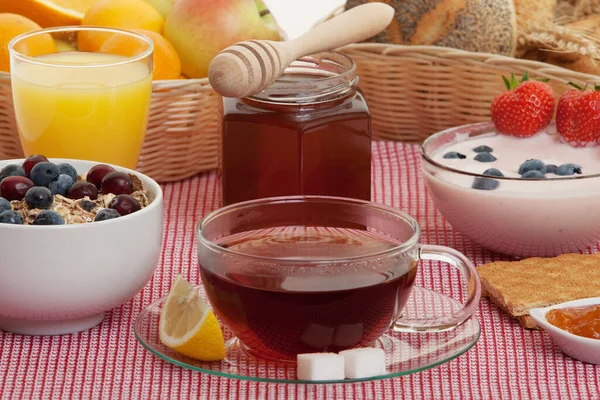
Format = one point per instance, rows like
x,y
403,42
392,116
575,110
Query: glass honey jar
x,y
307,134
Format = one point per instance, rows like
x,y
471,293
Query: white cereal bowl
x,y
62,279
578,347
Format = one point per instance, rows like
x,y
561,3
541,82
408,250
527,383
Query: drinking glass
x,y
302,274
90,105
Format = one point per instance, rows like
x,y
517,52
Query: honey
x,y
580,321
308,134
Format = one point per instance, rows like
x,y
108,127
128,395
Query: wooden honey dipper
x,y
249,67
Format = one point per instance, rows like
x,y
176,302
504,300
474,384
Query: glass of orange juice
x,y
82,103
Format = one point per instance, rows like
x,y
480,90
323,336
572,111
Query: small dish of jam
x,y
574,326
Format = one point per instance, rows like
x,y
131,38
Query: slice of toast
x,y
518,286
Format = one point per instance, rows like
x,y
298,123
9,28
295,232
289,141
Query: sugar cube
x,y
320,367
363,362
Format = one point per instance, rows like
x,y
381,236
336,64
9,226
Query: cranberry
x,y
15,187
81,189
117,183
125,204
97,173
31,161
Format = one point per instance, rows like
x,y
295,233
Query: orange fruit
x,y
166,63
124,14
48,13
12,25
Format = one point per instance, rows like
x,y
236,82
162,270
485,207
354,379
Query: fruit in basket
x,y
577,114
12,25
48,13
524,109
200,29
124,14
486,26
162,6
188,325
165,60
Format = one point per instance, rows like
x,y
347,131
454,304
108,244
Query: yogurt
x,y
521,217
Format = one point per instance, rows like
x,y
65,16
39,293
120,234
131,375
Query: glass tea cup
x,y
82,92
303,274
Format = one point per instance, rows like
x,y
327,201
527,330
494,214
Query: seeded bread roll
x,y
532,11
487,26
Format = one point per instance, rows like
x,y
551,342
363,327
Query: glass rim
x,y
336,83
36,60
479,127
237,207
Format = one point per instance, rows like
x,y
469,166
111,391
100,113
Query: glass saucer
x,y
406,353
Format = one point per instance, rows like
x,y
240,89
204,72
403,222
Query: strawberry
x,y
578,116
525,108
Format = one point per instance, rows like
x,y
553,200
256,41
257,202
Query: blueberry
x,y
12,170
532,165
87,205
533,174
43,173
493,172
11,217
106,213
454,154
485,184
568,169
61,185
551,168
483,149
485,157
39,197
48,217
67,169
4,205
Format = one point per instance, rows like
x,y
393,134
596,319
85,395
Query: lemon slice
x,y
189,326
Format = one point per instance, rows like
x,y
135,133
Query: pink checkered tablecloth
x,y
107,362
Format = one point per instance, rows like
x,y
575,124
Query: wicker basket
x,y
183,129
413,92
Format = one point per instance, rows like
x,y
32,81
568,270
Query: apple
x,y
200,29
162,6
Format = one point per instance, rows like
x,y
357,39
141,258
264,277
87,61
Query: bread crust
x,y
485,26
518,286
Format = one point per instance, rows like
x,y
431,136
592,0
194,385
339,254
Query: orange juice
x,y
83,105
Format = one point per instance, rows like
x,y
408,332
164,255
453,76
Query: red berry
x,y
15,187
117,183
97,173
124,204
523,110
81,189
578,117
31,161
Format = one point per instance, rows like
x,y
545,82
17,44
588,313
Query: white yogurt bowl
x,y
579,347
523,218
62,279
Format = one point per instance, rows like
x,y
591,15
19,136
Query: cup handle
x,y
444,323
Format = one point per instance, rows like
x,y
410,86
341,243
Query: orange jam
x,y
580,321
